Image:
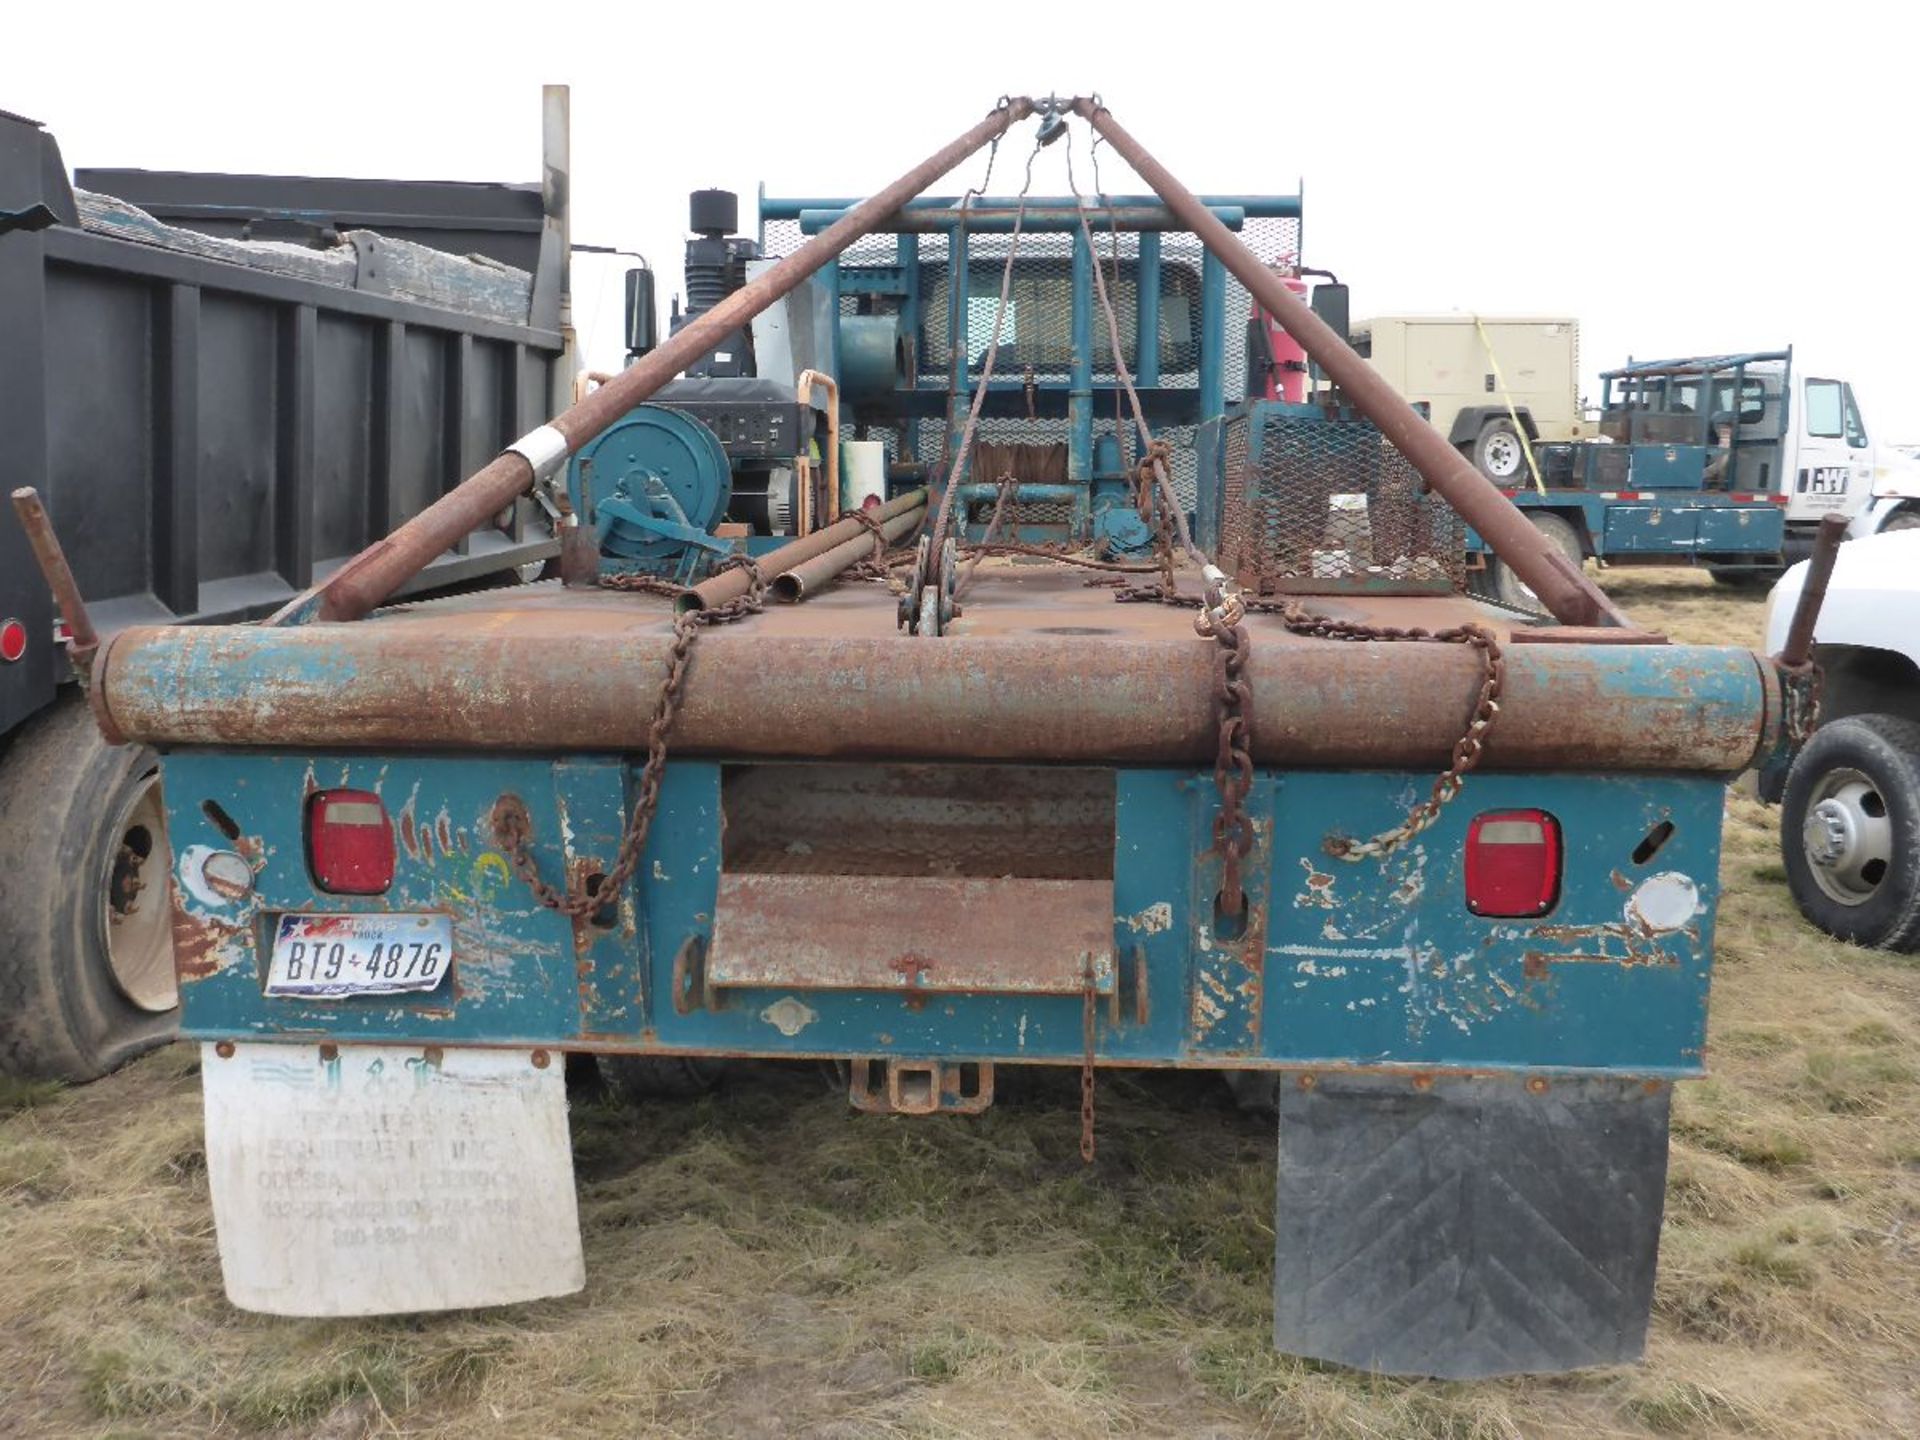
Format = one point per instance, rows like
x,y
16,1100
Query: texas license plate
x,y
359,954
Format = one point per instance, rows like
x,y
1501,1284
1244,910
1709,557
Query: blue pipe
x,y
1146,364
996,217
1080,376
1213,325
959,282
1256,207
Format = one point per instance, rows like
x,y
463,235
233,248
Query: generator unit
x,y
708,467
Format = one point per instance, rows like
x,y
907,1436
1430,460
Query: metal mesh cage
x,y
1311,504
1038,332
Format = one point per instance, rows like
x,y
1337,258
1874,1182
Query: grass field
x,y
762,1262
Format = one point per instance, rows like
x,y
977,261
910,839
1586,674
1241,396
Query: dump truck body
x,y
222,386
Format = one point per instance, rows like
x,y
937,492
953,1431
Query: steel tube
x,y
1559,582
1798,649
82,639
1255,207
989,217
376,572
805,578
788,686
732,584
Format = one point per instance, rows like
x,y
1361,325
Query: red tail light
x,y
1513,863
349,842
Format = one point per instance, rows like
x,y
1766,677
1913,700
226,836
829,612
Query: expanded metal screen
x,y
1311,501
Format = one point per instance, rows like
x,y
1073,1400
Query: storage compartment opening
x,y
915,879
1029,822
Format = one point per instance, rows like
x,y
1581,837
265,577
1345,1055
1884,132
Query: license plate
x,y
380,954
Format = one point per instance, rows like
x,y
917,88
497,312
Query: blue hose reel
x,y
653,486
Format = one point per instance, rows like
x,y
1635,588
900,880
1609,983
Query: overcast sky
x,y
1681,178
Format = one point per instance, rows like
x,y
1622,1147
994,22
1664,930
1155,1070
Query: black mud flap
x,y
1473,1228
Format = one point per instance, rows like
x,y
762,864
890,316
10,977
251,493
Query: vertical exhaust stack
x,y
1561,584
376,572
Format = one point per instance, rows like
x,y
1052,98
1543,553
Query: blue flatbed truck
x,y
982,814
1726,461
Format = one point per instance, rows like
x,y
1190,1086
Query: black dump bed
x,y
225,385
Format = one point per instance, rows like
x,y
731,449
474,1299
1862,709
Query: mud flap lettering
x,y
1468,1227
388,1179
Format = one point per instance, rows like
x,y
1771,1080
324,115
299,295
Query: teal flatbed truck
x,y
1726,461
907,794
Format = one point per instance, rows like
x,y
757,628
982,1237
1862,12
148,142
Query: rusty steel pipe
x,y
801,581
732,584
792,685
376,572
1798,649
1559,582
82,639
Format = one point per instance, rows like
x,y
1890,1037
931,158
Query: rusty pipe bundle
x,y
732,584
801,581
376,572
1559,582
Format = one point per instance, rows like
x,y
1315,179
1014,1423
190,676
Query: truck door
x,y
1833,462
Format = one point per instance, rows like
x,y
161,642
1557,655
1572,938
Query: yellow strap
x,y
1533,466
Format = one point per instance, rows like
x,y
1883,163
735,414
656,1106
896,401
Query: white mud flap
x,y
385,1181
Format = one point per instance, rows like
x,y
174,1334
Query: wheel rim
x,y
1502,455
1847,837
135,901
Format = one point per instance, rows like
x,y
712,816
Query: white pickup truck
x,y
1850,804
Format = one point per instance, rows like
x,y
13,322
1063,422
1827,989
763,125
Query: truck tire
x,y
1907,517
1850,830
86,939
1745,577
1499,455
1509,588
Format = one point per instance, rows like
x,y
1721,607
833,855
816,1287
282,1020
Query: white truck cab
x,y
1833,464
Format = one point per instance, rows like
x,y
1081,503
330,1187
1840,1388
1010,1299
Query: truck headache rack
x,y
1078,711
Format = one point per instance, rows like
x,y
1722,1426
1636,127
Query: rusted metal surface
x,y
730,585
919,1087
1559,582
1041,822
82,639
374,574
912,934
805,578
1798,649
829,680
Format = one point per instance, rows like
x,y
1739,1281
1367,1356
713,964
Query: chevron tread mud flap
x,y
1473,1227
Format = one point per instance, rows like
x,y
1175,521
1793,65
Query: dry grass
x,y
763,1262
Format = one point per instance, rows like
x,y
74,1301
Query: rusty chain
x,y
1466,751
1800,696
513,826
1088,1022
1233,759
